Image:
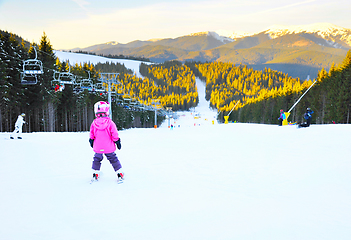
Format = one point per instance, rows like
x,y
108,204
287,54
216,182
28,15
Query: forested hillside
x,y
258,95
46,109
228,85
175,83
170,85
329,98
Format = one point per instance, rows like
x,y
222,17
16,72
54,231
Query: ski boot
x,y
96,176
120,176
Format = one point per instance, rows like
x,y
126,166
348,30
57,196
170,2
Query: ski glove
x,y
91,141
118,143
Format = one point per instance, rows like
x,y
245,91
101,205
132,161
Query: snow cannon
x,y
226,119
285,121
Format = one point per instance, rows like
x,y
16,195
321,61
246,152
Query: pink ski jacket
x,y
104,133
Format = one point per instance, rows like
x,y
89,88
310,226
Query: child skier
x,y
18,127
103,139
281,117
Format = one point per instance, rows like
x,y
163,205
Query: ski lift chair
x,y
31,69
62,78
28,79
86,84
67,78
98,87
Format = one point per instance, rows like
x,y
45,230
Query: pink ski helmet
x,y
102,109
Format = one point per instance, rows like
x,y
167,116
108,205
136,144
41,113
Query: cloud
x,y
82,4
171,19
288,6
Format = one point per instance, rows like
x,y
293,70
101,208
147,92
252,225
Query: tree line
x,y
261,94
49,110
329,98
174,82
257,95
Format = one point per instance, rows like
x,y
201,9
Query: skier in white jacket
x,y
18,127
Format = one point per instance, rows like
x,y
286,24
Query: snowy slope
x,y
235,181
82,58
201,115
233,34
197,181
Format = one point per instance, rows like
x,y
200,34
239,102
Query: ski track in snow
x,y
196,181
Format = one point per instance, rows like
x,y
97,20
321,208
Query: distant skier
x,y
282,117
18,127
308,117
103,139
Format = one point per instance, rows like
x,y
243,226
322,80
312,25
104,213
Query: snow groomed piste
x,y
196,181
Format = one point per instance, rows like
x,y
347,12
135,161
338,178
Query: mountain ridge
x,y
317,46
325,30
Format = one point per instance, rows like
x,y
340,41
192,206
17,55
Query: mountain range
x,y
296,50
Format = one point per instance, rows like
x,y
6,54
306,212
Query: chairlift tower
x,y
155,103
169,114
109,79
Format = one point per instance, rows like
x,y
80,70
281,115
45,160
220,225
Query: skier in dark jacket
x,y
308,117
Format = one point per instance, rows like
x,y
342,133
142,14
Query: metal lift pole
x,y
109,78
109,98
301,96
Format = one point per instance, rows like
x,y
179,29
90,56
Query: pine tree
x,y
347,61
11,56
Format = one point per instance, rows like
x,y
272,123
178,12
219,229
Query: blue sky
x,y
81,23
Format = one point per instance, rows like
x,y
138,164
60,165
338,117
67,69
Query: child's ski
x,y
93,180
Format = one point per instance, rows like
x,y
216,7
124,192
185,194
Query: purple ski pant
x,y
112,157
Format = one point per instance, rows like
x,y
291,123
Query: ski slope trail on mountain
x,y
74,58
201,115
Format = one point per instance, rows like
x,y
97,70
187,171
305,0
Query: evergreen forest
x,y
246,95
49,110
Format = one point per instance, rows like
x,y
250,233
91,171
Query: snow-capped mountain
x,y
221,38
330,32
225,36
224,39
233,34
334,35
315,46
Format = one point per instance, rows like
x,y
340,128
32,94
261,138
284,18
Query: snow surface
x,y
233,34
234,181
196,181
85,58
